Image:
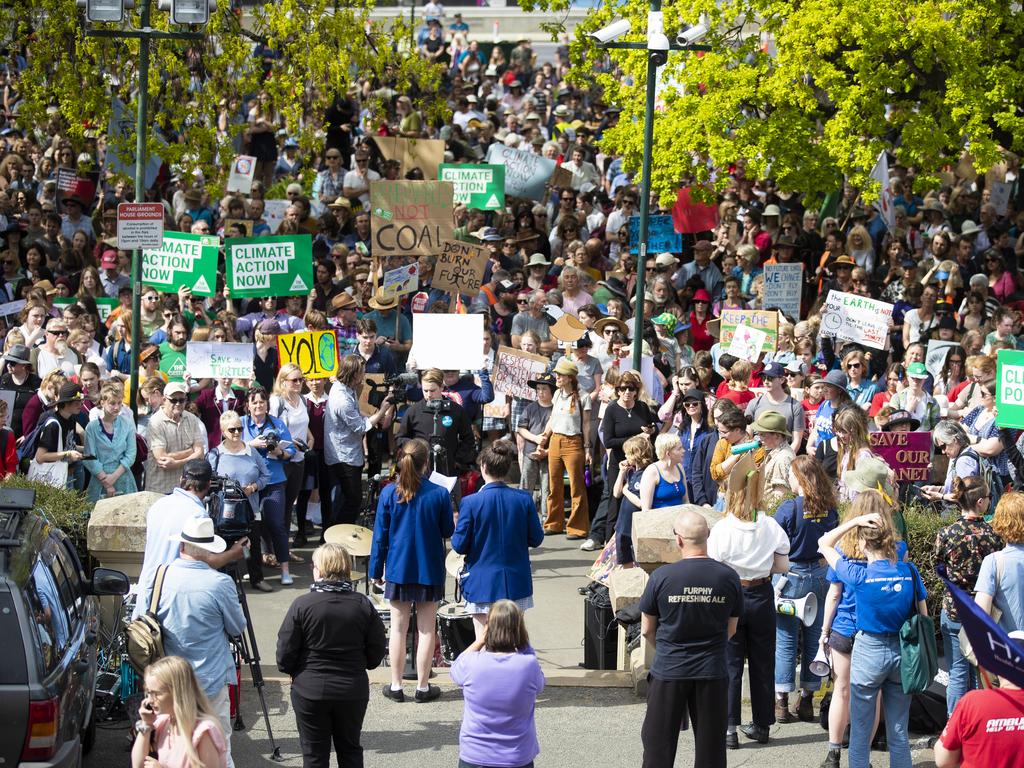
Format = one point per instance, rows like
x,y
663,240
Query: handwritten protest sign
x,y
747,343
908,453
315,352
783,287
243,170
183,259
767,321
218,360
460,267
513,369
476,186
661,235
935,357
526,174
400,281
270,266
849,317
410,218
425,154
448,342
1000,196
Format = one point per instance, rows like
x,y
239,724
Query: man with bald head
x,y
690,609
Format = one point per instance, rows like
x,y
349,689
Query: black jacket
x,y
327,642
453,429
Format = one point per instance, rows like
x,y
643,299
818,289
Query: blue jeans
x,y
790,631
961,673
874,668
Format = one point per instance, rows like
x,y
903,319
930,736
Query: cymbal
x,y
454,562
356,540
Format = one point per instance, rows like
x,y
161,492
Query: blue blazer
x,y
408,537
497,526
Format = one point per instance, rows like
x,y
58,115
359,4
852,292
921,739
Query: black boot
x,y
832,759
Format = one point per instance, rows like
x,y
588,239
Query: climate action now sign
x,y
270,266
182,259
1010,395
476,186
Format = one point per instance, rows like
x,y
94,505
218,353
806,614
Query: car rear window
x,y
13,670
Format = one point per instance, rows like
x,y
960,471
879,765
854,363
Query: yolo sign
x,y
476,186
270,266
315,352
1010,395
183,259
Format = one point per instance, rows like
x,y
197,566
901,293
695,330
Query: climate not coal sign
x,y
270,266
1010,394
182,259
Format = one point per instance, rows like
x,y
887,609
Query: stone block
x,y
653,539
117,531
625,587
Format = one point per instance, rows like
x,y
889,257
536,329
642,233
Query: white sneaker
x,y
589,545
287,580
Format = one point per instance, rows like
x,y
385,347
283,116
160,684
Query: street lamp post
x,y
657,47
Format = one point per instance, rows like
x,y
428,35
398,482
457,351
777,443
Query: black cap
x,y
198,471
693,394
69,393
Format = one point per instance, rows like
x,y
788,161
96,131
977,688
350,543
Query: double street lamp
x,y
657,46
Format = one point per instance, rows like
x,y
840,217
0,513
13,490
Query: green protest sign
x,y
270,266
182,259
476,186
1010,395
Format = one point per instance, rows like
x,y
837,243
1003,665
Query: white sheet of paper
x,y
448,342
438,479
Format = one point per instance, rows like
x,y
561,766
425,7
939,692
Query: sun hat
x,y
836,379
615,286
665,319
537,259
680,327
917,371
18,354
771,421
382,302
870,474
566,367
199,532
69,393
619,325
844,261
901,417
969,228
342,301
701,294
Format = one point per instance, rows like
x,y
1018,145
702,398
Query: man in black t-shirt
x,y
689,611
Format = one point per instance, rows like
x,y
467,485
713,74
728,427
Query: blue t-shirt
x,y
1009,597
803,532
823,421
885,592
845,620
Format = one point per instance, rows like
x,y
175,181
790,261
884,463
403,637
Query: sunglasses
x,y
851,366
233,430
176,400
57,333
792,374
294,381
522,301
628,388
691,404
334,157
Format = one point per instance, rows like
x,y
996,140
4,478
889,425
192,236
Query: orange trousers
x,y
566,453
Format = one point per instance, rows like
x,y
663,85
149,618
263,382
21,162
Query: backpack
x,y
27,449
144,636
993,481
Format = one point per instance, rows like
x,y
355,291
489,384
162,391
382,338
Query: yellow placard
x,y
315,352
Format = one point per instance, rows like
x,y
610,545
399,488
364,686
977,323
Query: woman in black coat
x,y
328,640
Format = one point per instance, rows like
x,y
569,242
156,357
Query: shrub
x,y
67,510
922,526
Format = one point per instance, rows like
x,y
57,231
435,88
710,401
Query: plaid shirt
x,y
347,339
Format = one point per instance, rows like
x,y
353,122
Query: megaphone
x,y
805,609
820,666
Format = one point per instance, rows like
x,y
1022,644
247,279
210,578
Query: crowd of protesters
x,y
628,441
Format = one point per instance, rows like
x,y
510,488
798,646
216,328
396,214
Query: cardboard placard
x,y
270,266
849,317
400,281
425,154
315,352
218,360
783,288
908,453
183,259
238,228
410,218
498,408
526,174
513,369
661,235
448,342
364,396
460,267
478,186
767,321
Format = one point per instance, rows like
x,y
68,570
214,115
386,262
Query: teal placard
x,y
1010,395
182,259
270,266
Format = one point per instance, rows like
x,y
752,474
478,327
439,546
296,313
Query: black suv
x,y
49,628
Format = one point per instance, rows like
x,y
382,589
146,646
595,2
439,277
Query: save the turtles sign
x,y
270,266
476,186
182,259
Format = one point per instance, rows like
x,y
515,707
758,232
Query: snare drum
x,y
455,628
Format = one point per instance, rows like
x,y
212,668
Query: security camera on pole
x,y
657,47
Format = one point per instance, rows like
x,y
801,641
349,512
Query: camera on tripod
x,y
229,508
441,405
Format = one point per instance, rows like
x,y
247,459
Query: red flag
x,y
690,217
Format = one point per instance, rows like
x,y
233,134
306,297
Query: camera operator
x,y
443,424
344,428
242,463
377,358
166,518
270,436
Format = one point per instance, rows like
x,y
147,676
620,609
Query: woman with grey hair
x,y
952,439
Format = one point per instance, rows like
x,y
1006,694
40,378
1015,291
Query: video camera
x,y
396,386
229,509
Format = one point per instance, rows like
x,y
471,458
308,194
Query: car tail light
x,y
41,735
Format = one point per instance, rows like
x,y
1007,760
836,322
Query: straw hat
x,y
566,367
382,302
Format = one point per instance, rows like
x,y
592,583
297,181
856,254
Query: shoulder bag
x,y
144,636
919,657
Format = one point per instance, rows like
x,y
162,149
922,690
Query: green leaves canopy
x,y
809,92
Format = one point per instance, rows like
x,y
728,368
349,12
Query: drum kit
x,y
454,624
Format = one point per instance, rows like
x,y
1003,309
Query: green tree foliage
x,y
809,92
321,48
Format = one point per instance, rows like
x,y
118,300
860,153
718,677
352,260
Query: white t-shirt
x,y
296,418
354,181
749,548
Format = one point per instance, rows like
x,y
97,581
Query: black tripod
x,y
438,452
247,650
